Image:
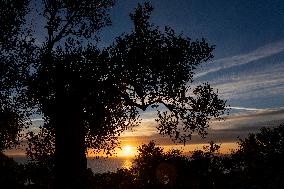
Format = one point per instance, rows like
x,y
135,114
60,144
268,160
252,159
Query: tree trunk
x,y
70,158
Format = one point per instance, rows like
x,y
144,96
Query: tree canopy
x,y
156,67
88,96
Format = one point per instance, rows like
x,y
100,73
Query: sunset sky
x,y
248,68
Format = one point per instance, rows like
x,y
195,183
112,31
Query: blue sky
x,y
248,68
249,39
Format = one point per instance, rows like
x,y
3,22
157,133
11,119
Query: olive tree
x,y
88,96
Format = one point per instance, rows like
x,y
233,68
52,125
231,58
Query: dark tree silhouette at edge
x,y
12,120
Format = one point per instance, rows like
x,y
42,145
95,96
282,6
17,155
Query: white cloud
x,y
257,54
37,119
261,83
244,108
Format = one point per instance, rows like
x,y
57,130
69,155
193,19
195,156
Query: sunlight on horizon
x,y
130,151
127,164
127,151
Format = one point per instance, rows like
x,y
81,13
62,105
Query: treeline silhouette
x,y
257,163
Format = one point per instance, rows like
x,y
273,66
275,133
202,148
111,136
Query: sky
x,y
247,70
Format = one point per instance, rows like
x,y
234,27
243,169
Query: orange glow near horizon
x,y
127,151
226,148
130,151
123,151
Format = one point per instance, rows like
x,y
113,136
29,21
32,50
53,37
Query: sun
x,y
127,151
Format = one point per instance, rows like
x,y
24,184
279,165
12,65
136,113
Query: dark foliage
x,y
88,96
12,119
12,175
258,163
260,159
156,68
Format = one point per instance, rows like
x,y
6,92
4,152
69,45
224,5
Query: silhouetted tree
x,y
11,174
41,161
61,82
256,164
122,178
89,96
156,68
207,168
12,14
151,168
260,159
155,168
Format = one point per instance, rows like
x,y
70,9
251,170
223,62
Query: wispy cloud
x,y
257,54
249,121
37,119
244,108
262,82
